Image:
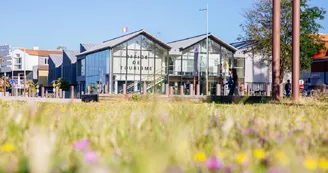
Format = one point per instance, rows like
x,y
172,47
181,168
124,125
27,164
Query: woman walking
x,y
233,82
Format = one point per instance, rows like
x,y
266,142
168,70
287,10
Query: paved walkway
x,y
37,99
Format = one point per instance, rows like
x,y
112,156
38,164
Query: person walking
x,y
288,88
233,82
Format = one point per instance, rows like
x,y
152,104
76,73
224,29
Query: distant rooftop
x,y
57,59
43,53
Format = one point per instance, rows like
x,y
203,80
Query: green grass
x,y
151,137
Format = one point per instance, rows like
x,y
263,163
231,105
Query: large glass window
x,y
139,60
95,70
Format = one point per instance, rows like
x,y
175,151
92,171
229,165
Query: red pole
x,y
276,50
296,49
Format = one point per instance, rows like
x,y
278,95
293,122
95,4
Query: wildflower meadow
x,y
163,137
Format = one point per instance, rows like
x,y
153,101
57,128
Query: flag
x,y
125,29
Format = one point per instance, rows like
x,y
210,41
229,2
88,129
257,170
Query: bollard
x,y
124,88
56,92
63,95
42,92
171,91
181,90
167,92
242,90
46,94
198,90
106,89
72,92
218,90
191,89
267,90
29,92
248,90
13,90
281,90
88,90
60,93
145,88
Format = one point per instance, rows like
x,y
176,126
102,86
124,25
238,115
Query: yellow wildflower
x,y
7,148
310,164
259,153
323,163
200,156
241,158
221,155
282,158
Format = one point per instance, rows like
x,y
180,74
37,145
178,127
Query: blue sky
x,y
49,23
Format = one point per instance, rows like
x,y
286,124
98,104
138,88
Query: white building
x,y
258,73
33,61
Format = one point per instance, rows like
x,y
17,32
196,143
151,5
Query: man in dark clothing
x,y
288,88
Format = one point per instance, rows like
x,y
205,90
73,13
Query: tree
x,y
62,84
60,47
2,83
31,84
258,30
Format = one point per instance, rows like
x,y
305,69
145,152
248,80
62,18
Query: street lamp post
x,y
207,51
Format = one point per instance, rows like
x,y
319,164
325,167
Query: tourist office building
x,y
141,60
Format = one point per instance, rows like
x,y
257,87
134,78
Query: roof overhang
x,y
135,34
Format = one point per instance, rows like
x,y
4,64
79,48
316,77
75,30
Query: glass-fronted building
x,y
137,59
188,61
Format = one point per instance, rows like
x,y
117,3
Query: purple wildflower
x,y
249,131
214,164
81,145
275,170
90,156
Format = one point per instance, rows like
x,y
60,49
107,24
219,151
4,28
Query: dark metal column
x,y
140,65
296,49
126,64
276,50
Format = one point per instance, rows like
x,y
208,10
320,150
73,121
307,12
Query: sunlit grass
x,y
150,137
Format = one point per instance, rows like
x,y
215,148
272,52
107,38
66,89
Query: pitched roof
x,y
118,40
57,59
322,54
71,54
187,42
43,53
88,46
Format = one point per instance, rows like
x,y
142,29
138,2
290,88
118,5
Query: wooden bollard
x,y
181,90
248,90
167,89
13,90
191,89
268,91
60,93
281,90
56,92
124,88
72,92
29,92
198,89
171,91
145,88
242,90
42,92
218,90
88,89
